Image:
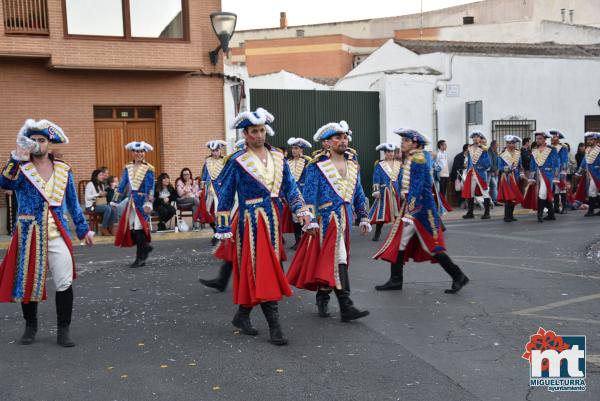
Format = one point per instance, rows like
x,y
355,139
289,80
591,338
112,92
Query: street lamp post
x,y
223,24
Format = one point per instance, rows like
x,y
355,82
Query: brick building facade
x,y
161,89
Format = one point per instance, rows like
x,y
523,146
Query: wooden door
x,y
110,146
592,123
112,136
144,131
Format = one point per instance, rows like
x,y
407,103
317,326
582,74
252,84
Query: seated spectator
x,y
572,203
187,192
96,201
112,183
164,195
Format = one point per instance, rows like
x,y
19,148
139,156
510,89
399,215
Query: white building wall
x,y
557,93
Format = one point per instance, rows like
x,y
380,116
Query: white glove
x,y
223,235
25,143
366,224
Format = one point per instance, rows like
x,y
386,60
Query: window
x,y
474,112
128,19
156,19
93,17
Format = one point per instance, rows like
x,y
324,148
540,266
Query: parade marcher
x,y
510,168
213,165
544,173
134,227
417,234
45,190
589,171
298,163
324,152
477,165
386,193
332,188
258,175
560,189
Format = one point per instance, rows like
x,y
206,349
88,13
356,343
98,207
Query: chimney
x,y
282,20
562,14
571,15
468,20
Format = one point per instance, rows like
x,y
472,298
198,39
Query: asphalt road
x,y
155,333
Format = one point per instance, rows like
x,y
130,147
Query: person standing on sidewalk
x,y
45,189
134,227
441,163
259,176
386,193
417,234
477,165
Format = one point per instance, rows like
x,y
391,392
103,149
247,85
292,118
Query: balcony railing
x,y
25,16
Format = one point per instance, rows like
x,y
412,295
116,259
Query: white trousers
x,y
60,263
134,220
342,251
475,183
408,231
542,189
592,188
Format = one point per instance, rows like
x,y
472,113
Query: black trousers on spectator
x,y
443,185
165,212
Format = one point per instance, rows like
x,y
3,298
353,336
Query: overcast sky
x,y
265,13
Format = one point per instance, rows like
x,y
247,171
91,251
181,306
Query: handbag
x,y
100,201
458,185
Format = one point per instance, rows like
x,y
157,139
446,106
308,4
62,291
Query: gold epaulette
x,y
419,158
484,148
150,166
229,156
377,162
352,150
307,158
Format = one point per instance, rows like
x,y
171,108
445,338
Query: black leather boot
x,y
507,218
348,311
486,204
470,206
540,210
64,310
271,311
563,202
396,275
512,212
31,322
140,244
220,282
297,235
377,234
323,302
241,320
459,279
556,203
592,204
550,207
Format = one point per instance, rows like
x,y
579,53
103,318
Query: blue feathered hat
x,y
511,138
216,144
387,147
139,145
303,143
331,129
477,133
543,133
593,135
45,128
556,132
249,118
413,135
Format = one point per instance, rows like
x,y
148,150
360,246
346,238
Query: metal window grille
x,y
521,128
25,16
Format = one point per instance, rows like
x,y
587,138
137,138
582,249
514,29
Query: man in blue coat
x,y
45,190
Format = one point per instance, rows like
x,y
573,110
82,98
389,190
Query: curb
x,y
167,236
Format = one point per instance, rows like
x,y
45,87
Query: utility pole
x,y
421,30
